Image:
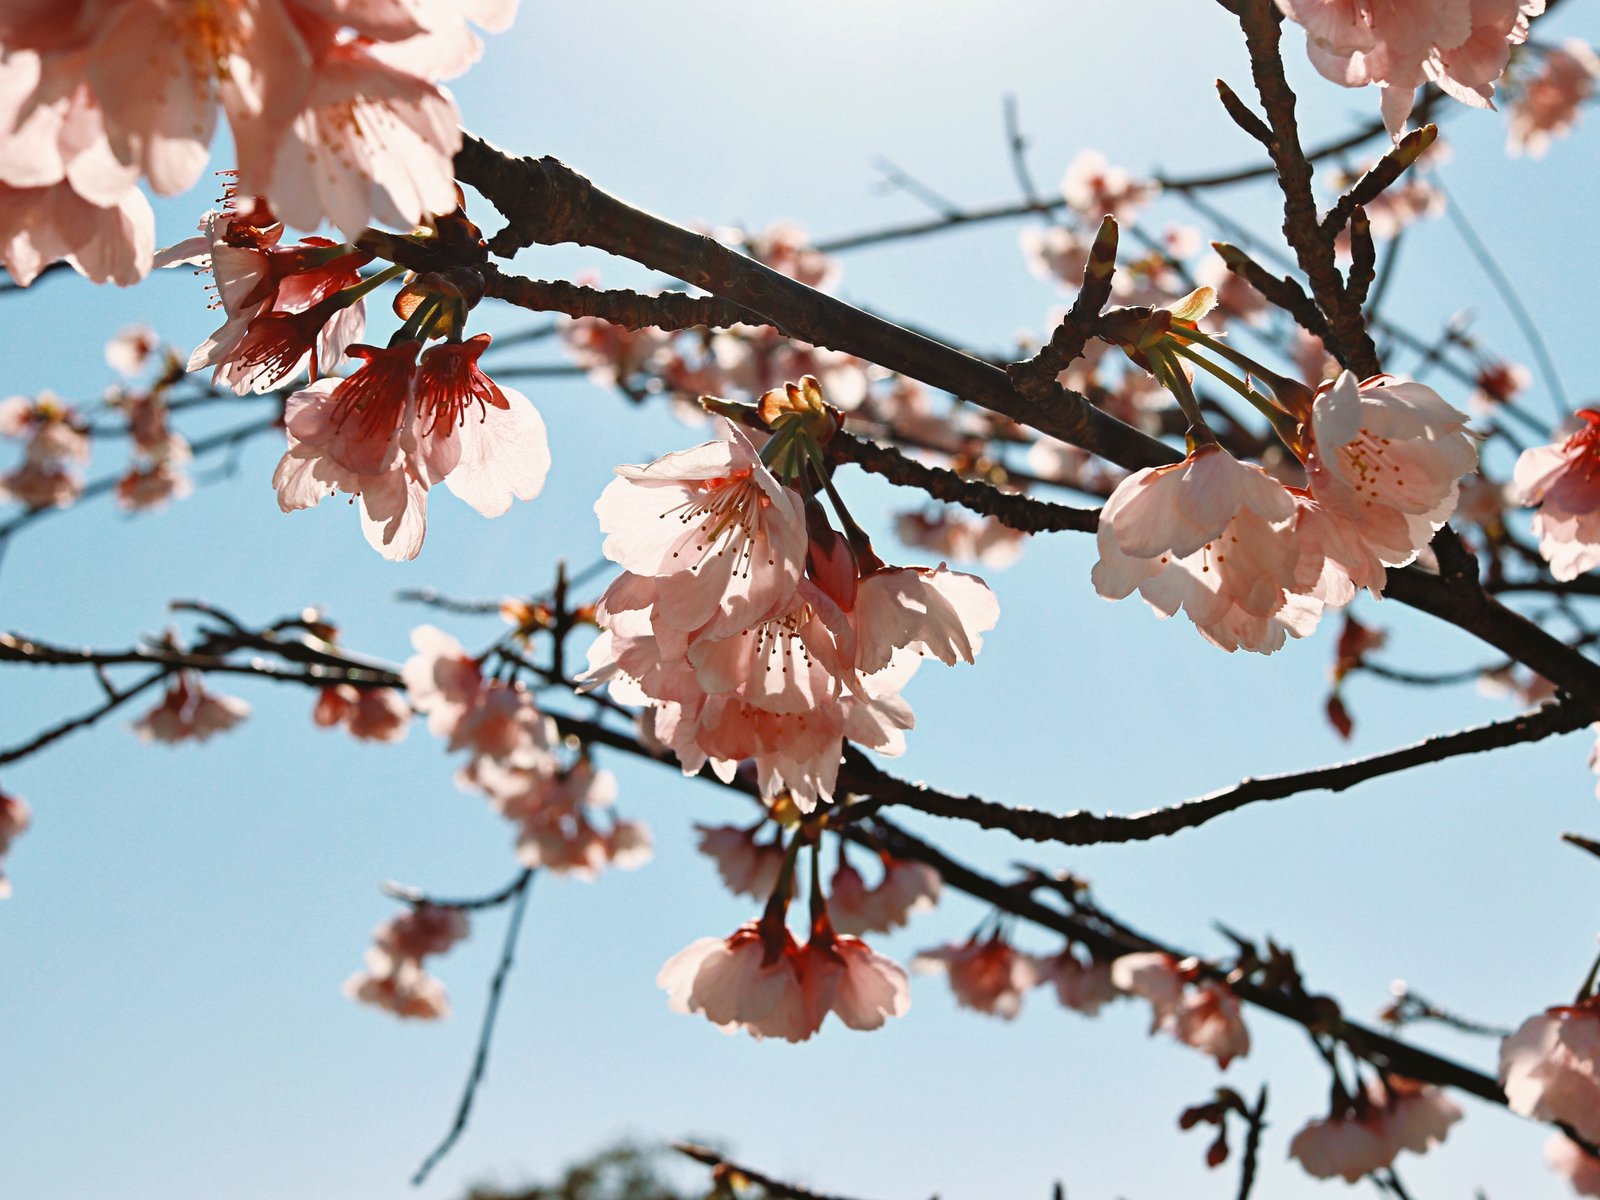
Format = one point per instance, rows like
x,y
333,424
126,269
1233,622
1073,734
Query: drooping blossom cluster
x,y
395,979
1546,106
1251,561
1462,46
189,712
760,980
1550,1067
404,421
904,887
517,761
747,865
1563,480
284,306
159,452
1366,1132
56,444
368,714
988,974
15,817
334,109
752,628
1201,1012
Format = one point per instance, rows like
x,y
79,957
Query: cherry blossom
x,y
906,887
404,989
785,247
282,303
555,812
611,353
1214,537
1365,1133
369,714
56,444
989,976
1574,1164
848,978
949,534
1550,1068
753,980
1083,986
1547,105
1095,188
1460,45
152,487
1563,480
1204,1013
932,611
15,817
747,867
397,426
420,931
721,541
189,712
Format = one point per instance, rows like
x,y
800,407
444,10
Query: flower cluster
x,y
905,887
57,443
1550,1067
1203,1013
188,712
1252,561
1366,1132
517,761
334,109
15,817
989,975
368,714
1563,481
395,979
751,627
1462,46
406,420
1547,105
282,305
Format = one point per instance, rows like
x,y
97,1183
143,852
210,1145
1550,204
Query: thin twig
x,y
480,1058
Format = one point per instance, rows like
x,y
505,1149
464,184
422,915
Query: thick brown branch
x,y
547,202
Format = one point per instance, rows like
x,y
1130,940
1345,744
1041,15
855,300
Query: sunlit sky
x,y
171,1021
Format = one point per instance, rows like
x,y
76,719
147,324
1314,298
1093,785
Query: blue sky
x,y
170,1014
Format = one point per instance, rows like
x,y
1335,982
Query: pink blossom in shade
x,y
1460,45
113,243
930,610
1563,480
369,714
406,990
1550,1068
785,247
188,712
1085,987
906,887
442,681
420,931
611,353
723,540
845,976
1546,106
1573,1163
747,867
370,143
15,817
1209,1019
1055,253
42,484
1346,1145
152,488
1386,443
1214,537
1498,383
1416,1116
989,976
752,980
1156,977
1095,188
